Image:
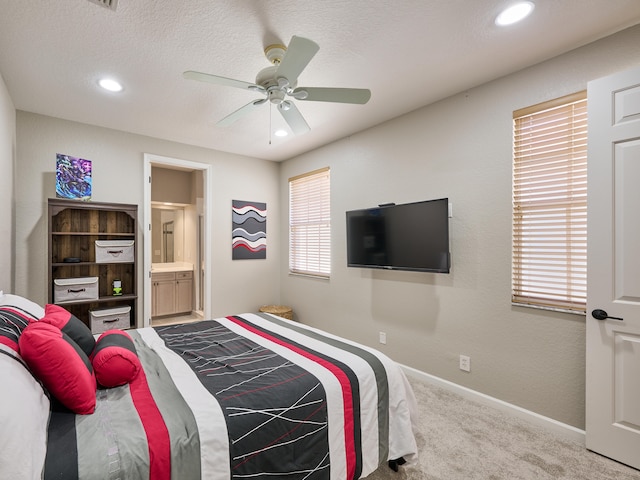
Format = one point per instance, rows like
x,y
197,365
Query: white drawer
x,y
114,251
71,289
184,275
109,319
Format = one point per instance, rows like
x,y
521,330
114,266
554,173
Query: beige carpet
x,y
460,439
186,318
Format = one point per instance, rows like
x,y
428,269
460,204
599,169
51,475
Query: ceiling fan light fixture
x,y
277,98
514,13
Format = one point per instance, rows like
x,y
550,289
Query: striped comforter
x,y
243,397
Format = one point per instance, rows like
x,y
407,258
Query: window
x,y
550,205
310,224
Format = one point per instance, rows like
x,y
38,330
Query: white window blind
x,y
310,224
550,205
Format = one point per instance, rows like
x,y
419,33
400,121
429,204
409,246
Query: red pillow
x,y
115,360
71,325
60,364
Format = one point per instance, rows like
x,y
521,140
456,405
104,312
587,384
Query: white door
x,y
613,285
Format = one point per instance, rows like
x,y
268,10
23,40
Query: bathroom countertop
x,y
171,267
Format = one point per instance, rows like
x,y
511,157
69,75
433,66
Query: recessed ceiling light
x,y
110,84
514,13
281,133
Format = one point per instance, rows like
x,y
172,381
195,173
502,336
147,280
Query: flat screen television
x,y
411,236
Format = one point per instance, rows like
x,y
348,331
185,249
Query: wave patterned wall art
x,y
249,224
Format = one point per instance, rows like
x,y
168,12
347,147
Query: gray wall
x,y
7,204
459,148
118,177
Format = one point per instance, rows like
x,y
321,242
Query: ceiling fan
x,y
280,80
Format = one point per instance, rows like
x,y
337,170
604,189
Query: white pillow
x,y
24,415
32,309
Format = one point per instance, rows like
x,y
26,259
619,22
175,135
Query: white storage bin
x,y
110,318
71,289
114,251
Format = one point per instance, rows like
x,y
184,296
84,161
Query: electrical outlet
x,y
465,363
383,338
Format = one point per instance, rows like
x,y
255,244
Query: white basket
x,y
109,319
114,251
71,289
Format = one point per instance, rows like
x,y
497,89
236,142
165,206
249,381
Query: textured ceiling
x,y
409,53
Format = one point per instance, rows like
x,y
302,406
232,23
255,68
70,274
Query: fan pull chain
x,y
270,129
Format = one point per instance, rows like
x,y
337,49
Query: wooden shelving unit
x,y
74,226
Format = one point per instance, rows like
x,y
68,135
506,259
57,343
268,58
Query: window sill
x,y
309,275
551,309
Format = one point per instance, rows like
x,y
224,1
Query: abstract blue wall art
x,y
249,225
73,177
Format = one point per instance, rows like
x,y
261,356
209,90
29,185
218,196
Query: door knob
x,y
602,315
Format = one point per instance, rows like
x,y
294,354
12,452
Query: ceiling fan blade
x,y
241,112
294,118
217,80
299,53
359,96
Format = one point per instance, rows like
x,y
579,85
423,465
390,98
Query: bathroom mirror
x,y
167,234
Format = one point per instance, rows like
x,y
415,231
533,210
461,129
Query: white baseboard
x,y
567,431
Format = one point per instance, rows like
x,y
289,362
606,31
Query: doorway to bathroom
x,y
177,232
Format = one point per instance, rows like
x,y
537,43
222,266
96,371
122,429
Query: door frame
x,y
207,178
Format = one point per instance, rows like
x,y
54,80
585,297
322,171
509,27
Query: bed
x,y
245,397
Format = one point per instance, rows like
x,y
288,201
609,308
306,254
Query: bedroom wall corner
x,y
7,200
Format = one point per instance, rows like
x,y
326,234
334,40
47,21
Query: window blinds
x,y
310,224
550,205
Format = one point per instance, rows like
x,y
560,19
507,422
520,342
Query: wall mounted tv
x,y
411,236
